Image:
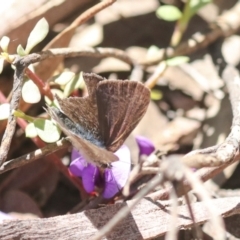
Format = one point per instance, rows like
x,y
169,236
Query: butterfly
x,y
98,124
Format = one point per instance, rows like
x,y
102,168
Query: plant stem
x,y
43,87
53,157
22,115
181,25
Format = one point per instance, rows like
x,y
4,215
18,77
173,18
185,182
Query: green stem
x,y
22,115
181,25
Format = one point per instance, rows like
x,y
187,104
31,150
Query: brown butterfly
x,y
97,125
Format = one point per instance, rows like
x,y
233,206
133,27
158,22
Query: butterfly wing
x,y
83,110
91,152
121,105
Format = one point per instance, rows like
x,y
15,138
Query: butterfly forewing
x,y
83,111
121,105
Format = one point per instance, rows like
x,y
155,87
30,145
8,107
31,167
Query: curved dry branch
x,y
227,151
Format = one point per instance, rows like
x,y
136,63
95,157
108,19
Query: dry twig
x,y
35,155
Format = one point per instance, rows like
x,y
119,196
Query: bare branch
x,y
10,129
30,157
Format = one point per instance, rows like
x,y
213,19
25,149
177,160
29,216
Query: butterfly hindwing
x,y
91,152
121,105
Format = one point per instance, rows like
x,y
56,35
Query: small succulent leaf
x,y
1,64
47,130
4,43
156,95
64,77
30,92
152,52
195,5
54,92
75,83
38,33
169,13
4,111
31,131
11,58
21,51
177,60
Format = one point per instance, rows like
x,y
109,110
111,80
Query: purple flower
x,y
113,179
146,146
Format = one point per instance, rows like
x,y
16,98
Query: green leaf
x,y
195,5
75,83
156,94
1,64
30,92
21,51
47,130
11,58
31,131
54,92
4,43
153,51
64,78
169,13
39,32
177,60
4,111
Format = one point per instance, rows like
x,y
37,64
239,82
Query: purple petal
x,y
90,175
117,176
77,164
146,146
75,154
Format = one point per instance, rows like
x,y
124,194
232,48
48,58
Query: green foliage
x,y
21,51
4,111
195,5
1,64
30,92
44,128
38,33
47,130
4,43
63,78
156,94
172,13
20,114
153,52
177,60
31,131
54,102
169,13
75,83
